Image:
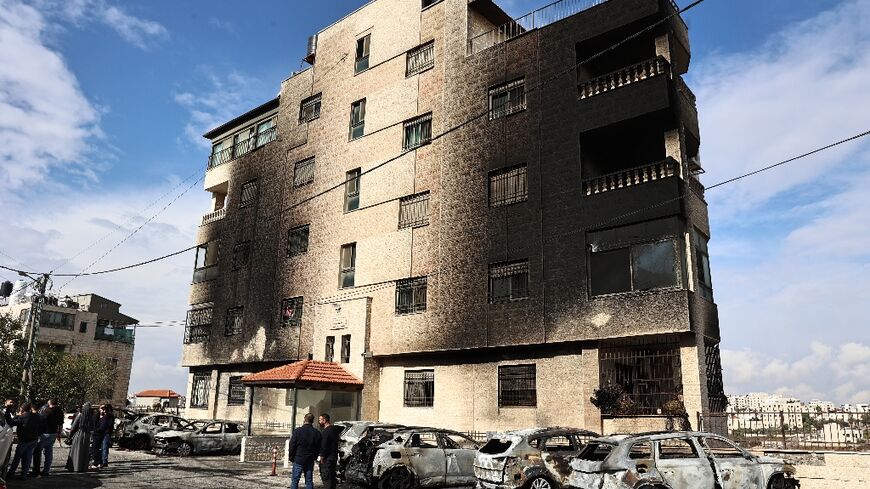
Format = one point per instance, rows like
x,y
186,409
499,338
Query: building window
x,y
345,348
351,190
508,186
347,265
249,194
83,327
221,152
411,295
717,401
236,395
702,265
638,267
516,386
420,58
329,352
419,388
309,109
241,254
429,3
297,241
233,321
508,281
418,131
357,119
266,132
205,267
198,324
649,374
362,54
303,172
199,390
507,98
57,320
342,400
291,312
414,210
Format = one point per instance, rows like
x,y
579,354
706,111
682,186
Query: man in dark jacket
x,y
304,448
101,440
27,430
328,451
51,422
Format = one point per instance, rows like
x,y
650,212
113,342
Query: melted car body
x,y
139,433
213,436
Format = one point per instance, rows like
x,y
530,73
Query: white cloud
x,y
134,30
151,373
137,31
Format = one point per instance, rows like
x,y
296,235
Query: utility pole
x,y
35,316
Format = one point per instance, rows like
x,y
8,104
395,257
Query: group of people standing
x,y
308,445
90,438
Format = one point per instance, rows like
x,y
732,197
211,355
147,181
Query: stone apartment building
x,y
457,209
84,324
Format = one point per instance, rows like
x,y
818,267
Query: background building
x,y
469,217
164,398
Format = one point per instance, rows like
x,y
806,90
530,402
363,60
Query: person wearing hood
x,y
80,436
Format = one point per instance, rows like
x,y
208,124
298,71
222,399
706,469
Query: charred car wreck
x,y
536,458
675,460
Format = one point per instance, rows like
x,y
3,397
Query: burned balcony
x,y
198,325
632,176
240,146
617,79
214,216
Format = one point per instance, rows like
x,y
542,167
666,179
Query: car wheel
x,y
185,449
400,478
141,443
540,483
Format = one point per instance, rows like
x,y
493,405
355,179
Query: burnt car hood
x,y
174,434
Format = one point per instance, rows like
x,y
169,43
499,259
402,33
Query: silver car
x,y
213,436
676,460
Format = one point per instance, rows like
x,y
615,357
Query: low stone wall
x,y
632,424
826,470
259,449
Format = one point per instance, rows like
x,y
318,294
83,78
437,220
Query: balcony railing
x,y
541,17
120,334
205,274
631,177
625,76
196,333
242,147
214,216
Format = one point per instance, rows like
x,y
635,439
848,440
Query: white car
x,y
6,436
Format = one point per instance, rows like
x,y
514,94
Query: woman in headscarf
x,y
80,434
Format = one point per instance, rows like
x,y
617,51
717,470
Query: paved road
x,y
143,470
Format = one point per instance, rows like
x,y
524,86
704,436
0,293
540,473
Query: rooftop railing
x,y
625,76
214,216
242,147
631,177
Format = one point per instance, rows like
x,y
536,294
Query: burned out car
x,y
139,433
214,436
354,431
676,460
413,457
537,458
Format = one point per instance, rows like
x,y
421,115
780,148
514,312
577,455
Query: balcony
x,y
243,147
214,216
118,334
196,333
631,177
205,274
625,76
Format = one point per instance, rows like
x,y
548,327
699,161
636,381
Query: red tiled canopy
x,y
306,373
158,393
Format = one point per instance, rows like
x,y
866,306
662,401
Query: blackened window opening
x,y
291,312
233,321
508,281
236,395
241,254
199,390
198,324
715,387
411,295
639,267
297,241
516,386
419,388
649,374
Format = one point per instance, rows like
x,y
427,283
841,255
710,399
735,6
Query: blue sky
x,y
102,104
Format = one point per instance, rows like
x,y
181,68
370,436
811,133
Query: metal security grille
x,y
199,390
419,388
715,388
236,395
198,325
345,348
418,132
241,254
233,321
420,59
291,312
414,211
516,386
329,353
249,193
508,281
411,295
303,172
649,374
297,241
508,186
309,109
507,98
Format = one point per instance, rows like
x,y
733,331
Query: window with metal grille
x,y
357,118
249,194
411,295
236,395
361,62
414,210
241,254
508,186
309,109
508,281
233,321
702,265
199,390
419,388
643,266
266,132
303,172
345,348
418,131
351,190
329,352
297,241
347,265
291,312
507,98
198,324
516,386
715,388
420,59
649,374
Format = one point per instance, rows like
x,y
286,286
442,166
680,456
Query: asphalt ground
x,y
129,469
